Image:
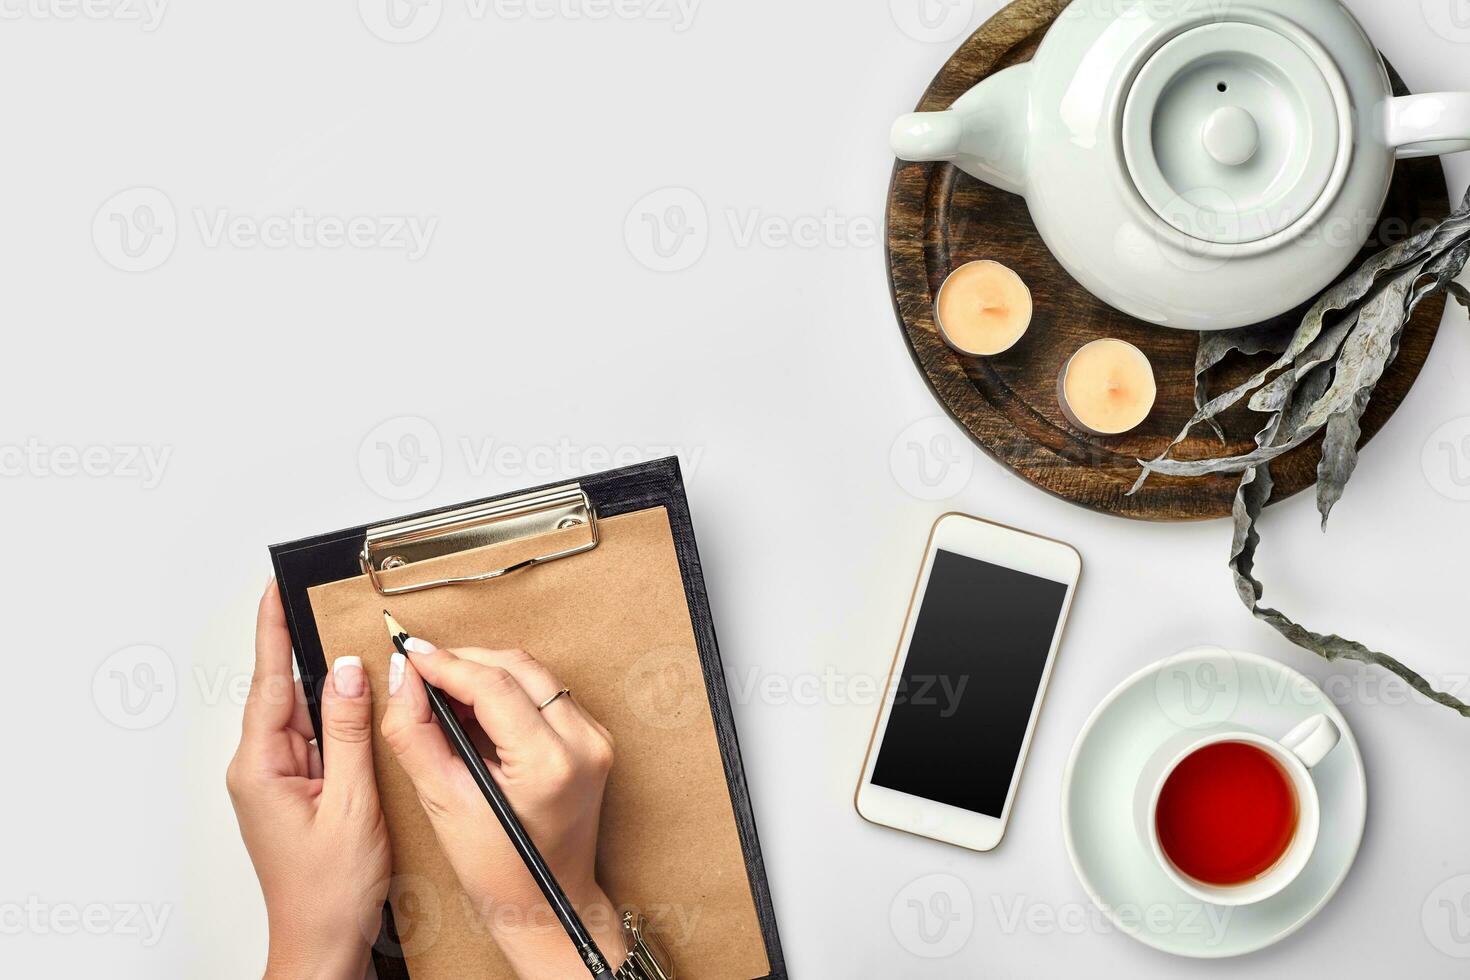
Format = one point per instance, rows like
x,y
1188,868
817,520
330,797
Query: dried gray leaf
x,y
1340,453
1440,274
1406,259
1216,346
1340,445
1250,499
1308,392
1460,293
1365,352
1324,379
1275,393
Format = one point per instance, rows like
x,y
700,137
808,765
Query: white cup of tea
x,y
1232,816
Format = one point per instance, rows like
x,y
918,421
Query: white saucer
x,y
1204,688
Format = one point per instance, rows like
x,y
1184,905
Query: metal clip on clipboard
x,y
418,539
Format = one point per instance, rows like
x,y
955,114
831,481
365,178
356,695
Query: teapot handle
x,y
1429,124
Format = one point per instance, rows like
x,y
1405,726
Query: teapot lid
x,y
1233,132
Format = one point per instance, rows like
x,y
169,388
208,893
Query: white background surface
x,y
776,370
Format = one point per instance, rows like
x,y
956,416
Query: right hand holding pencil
x,y
552,765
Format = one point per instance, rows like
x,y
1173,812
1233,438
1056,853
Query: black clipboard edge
x,y
308,562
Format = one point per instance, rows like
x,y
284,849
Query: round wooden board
x,y
939,218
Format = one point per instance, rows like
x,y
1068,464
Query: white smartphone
x,y
977,649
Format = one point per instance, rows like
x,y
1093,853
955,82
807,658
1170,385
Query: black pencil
x,y
525,847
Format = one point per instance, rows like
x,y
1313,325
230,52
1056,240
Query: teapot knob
x,y
1231,136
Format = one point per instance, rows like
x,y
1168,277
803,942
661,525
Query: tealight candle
x,y
1107,387
983,308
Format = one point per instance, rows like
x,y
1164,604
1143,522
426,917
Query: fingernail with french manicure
x,y
395,672
348,675
415,645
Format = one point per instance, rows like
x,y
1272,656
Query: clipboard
x,y
611,552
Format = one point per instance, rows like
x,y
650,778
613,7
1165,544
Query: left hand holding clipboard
x,y
317,839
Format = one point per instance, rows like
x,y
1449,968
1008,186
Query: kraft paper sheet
x,y
613,624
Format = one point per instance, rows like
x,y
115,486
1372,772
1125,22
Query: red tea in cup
x,y
1226,814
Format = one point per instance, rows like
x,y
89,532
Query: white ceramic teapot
x,y
1201,164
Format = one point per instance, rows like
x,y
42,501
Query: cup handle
x,y
1312,740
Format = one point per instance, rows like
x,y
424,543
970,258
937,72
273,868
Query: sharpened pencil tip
x,y
393,628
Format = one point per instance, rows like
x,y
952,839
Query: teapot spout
x,y
984,133
927,136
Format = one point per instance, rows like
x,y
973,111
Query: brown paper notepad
x,y
614,624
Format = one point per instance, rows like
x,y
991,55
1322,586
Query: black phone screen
x,y
966,689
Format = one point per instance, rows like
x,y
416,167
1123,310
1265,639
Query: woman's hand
x,y
319,845
552,765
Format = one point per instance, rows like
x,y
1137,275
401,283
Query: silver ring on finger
x,y
564,691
